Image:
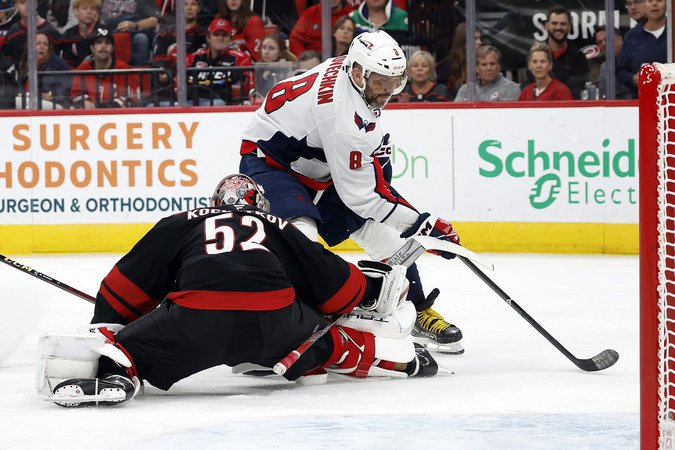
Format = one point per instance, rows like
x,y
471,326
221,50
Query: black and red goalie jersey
x,y
225,259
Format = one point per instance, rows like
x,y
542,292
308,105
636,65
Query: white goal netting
x,y
665,110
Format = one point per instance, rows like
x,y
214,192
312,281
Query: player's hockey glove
x,y
428,225
393,287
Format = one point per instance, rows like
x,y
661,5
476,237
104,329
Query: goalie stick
x,y
606,358
46,278
404,256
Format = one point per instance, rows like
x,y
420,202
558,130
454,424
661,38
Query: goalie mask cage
x,y
657,256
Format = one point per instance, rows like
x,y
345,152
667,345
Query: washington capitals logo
x,y
369,45
369,126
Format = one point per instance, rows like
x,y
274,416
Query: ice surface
x,y
510,390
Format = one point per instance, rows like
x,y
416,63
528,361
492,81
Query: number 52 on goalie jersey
x,y
225,259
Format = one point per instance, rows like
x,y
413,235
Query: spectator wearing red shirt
x,y
248,30
306,34
215,87
103,91
544,88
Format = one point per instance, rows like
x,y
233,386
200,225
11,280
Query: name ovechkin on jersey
x,y
325,94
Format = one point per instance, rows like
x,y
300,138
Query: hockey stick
x,y
602,360
404,256
46,279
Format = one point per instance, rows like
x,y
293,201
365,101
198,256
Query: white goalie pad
x,y
65,356
395,350
397,325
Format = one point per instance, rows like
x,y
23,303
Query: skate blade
x,y
67,398
453,348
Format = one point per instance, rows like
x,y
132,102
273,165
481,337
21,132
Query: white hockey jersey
x,y
317,126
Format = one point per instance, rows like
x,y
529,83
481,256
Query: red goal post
x,y
657,256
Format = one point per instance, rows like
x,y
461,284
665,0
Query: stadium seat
x,y
122,47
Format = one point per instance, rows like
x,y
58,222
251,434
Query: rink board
x,y
480,237
558,179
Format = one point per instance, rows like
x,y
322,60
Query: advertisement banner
x,y
113,169
476,165
519,165
514,25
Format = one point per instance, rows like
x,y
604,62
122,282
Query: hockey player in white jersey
x,y
316,146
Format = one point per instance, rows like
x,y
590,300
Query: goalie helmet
x,y
379,53
240,191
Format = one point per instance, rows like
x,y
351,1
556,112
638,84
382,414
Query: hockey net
x,y
657,256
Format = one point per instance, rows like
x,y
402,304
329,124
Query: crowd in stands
x,y
236,50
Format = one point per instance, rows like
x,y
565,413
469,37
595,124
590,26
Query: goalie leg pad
x,y
62,356
397,325
362,354
76,356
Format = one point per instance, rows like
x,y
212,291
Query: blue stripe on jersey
x,y
285,150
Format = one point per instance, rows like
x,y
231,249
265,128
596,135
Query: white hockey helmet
x,y
239,190
379,53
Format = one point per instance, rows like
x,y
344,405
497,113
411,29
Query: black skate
x,y
108,390
423,365
434,332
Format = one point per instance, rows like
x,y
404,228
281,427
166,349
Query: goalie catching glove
x,y
428,225
393,287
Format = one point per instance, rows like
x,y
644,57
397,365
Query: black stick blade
x,y
602,360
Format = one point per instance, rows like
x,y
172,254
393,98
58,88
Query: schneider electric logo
x,y
589,177
545,191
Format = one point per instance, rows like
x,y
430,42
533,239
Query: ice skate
x,y
435,333
109,390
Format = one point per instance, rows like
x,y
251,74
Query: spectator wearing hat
x,y
76,42
215,87
103,90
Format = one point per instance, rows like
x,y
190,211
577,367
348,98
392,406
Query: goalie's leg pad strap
x,y
116,351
